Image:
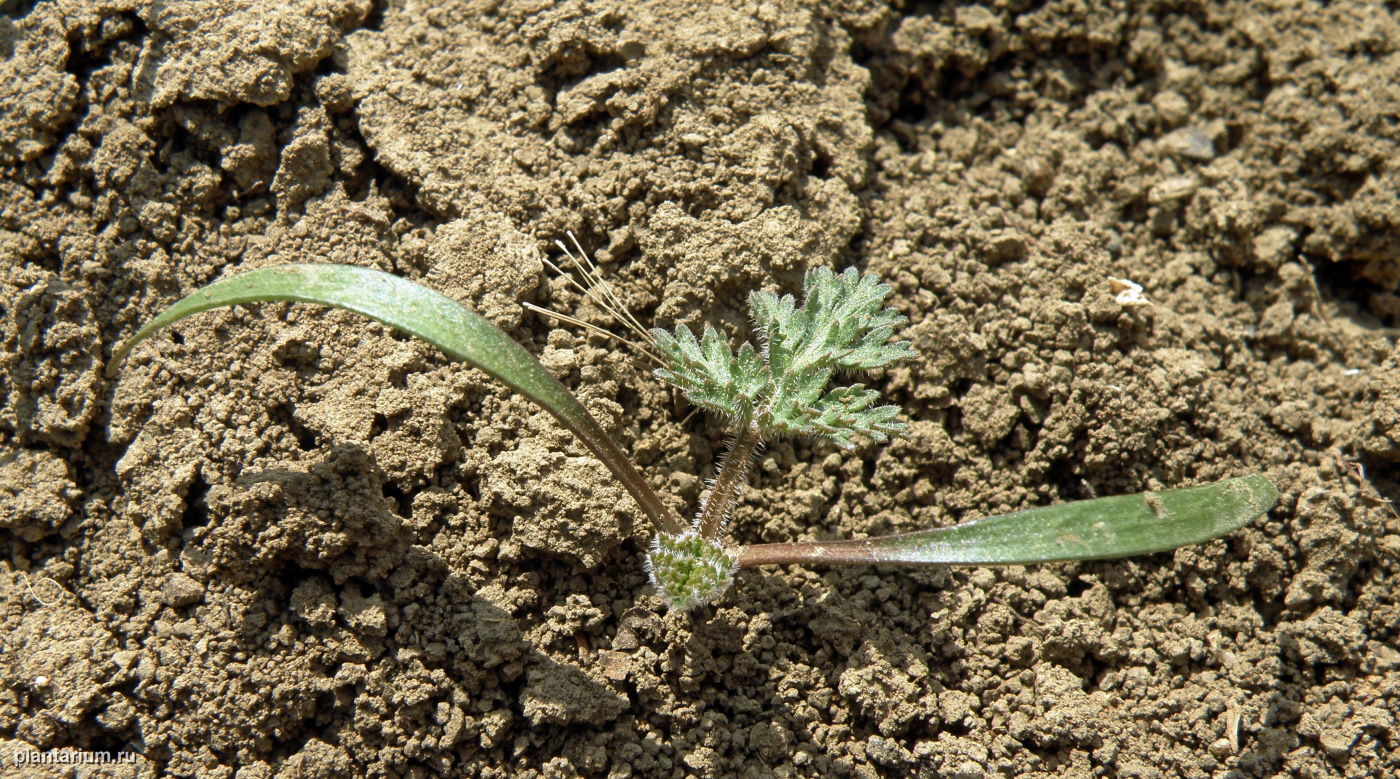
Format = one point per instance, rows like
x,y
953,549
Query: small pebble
x,y
1274,245
181,590
1113,242
1191,143
1171,107
1174,188
1005,245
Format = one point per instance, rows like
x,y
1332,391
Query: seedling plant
x,y
779,387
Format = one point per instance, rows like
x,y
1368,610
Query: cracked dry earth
x,y
286,542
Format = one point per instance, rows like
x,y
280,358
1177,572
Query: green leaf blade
x,y
1118,526
778,323
399,303
417,310
1102,528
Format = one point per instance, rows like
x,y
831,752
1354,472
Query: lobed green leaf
x,y
838,415
842,325
709,373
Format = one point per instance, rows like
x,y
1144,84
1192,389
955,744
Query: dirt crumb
x,y
234,51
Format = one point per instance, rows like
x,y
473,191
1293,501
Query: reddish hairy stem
x,y
733,473
851,551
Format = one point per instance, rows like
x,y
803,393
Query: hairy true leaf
x,y
842,325
709,373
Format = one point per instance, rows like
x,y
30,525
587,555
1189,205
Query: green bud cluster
x,y
689,570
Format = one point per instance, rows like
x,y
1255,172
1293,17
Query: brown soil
x,y
285,542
